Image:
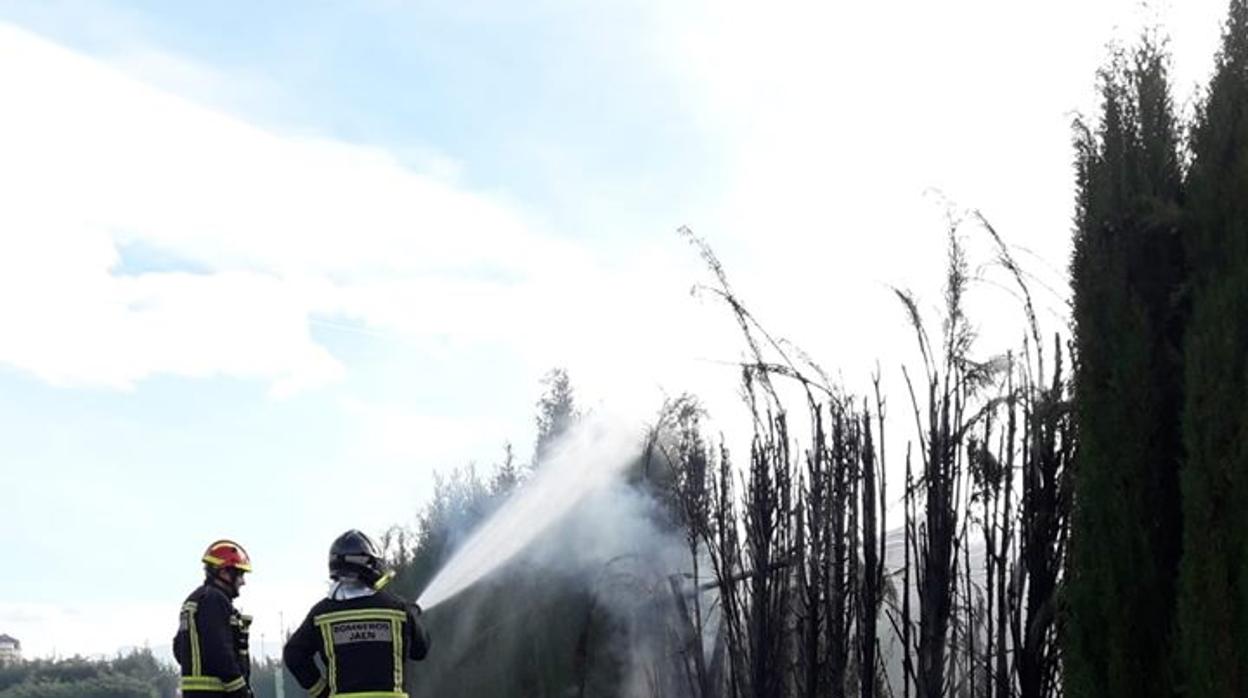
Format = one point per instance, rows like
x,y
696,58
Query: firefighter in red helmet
x,y
211,642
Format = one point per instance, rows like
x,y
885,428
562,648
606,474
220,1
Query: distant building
x,y
10,649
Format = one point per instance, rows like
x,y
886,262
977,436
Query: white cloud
x,y
836,121
286,227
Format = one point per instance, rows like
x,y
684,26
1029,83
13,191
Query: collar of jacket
x,y
345,589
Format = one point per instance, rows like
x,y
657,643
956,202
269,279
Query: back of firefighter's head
x,y
225,563
354,555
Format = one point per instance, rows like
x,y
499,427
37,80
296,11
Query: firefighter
x,y
362,634
211,642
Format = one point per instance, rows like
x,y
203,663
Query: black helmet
x,y
354,554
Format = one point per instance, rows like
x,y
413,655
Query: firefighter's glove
x,y
416,609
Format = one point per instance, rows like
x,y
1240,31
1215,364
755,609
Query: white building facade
x,y
10,650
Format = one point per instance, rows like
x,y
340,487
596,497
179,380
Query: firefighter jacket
x,y
211,645
362,641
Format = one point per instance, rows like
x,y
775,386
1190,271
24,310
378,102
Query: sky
x,y
265,268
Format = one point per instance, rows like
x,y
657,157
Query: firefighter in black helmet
x,y
211,642
362,633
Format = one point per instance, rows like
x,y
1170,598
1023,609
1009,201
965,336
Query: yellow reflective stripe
x,y
396,641
362,614
370,694
202,683
317,687
193,631
331,661
210,683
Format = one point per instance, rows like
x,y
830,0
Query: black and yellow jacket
x,y
211,645
363,642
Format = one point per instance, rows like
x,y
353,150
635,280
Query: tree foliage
x,y
1213,602
1126,274
137,674
556,412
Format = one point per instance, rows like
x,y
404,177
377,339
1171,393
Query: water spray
x,y
583,461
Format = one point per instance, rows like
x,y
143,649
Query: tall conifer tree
x,y
1126,270
1213,603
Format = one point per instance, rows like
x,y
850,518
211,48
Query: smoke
x,y
614,531
579,562
618,547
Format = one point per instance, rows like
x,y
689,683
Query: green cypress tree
x,y
1126,270
1213,603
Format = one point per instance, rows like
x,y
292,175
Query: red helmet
x,y
226,554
